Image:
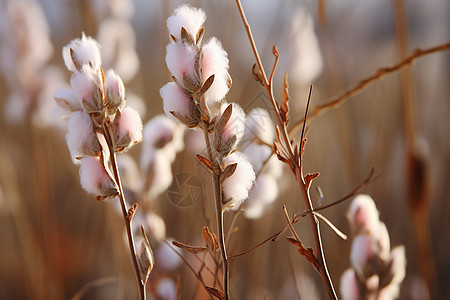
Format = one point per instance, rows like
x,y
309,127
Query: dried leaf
x,y
294,242
189,248
145,258
173,38
186,37
210,240
75,62
257,74
206,162
308,253
188,122
229,170
220,125
199,37
286,98
206,85
215,292
132,211
309,178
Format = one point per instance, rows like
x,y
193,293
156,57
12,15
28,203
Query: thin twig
x,y
123,205
337,101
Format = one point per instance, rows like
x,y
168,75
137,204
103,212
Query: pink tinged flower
x,y
189,18
95,179
363,249
180,60
115,91
215,62
88,87
156,226
81,138
67,100
79,52
228,136
349,285
363,215
237,186
177,103
263,192
128,129
383,241
258,124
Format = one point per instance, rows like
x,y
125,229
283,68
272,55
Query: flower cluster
x,y
260,134
99,124
377,271
196,95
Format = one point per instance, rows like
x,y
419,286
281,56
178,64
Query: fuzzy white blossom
x,y
215,62
349,285
174,99
95,179
237,186
85,51
166,289
81,138
189,18
128,129
235,125
258,124
180,60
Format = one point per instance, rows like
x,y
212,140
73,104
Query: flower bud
x,y
88,86
115,92
178,105
95,179
81,138
237,186
145,259
128,129
189,18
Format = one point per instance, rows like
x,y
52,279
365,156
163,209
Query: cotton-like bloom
x,y
85,51
156,225
363,249
186,17
237,186
363,214
176,101
258,124
88,85
129,172
128,129
95,179
228,136
349,285
81,138
67,100
215,62
115,91
180,60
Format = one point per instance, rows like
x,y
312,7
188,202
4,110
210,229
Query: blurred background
x,y
58,242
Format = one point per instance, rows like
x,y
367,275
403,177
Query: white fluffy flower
x,y
67,100
94,178
129,128
237,186
215,61
81,138
235,125
88,85
190,18
363,249
157,170
166,289
85,51
180,60
115,90
174,99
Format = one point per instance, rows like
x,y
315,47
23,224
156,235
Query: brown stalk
x,y
340,99
291,157
219,215
127,218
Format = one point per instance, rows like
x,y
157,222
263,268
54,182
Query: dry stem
x,y
291,157
219,216
125,214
